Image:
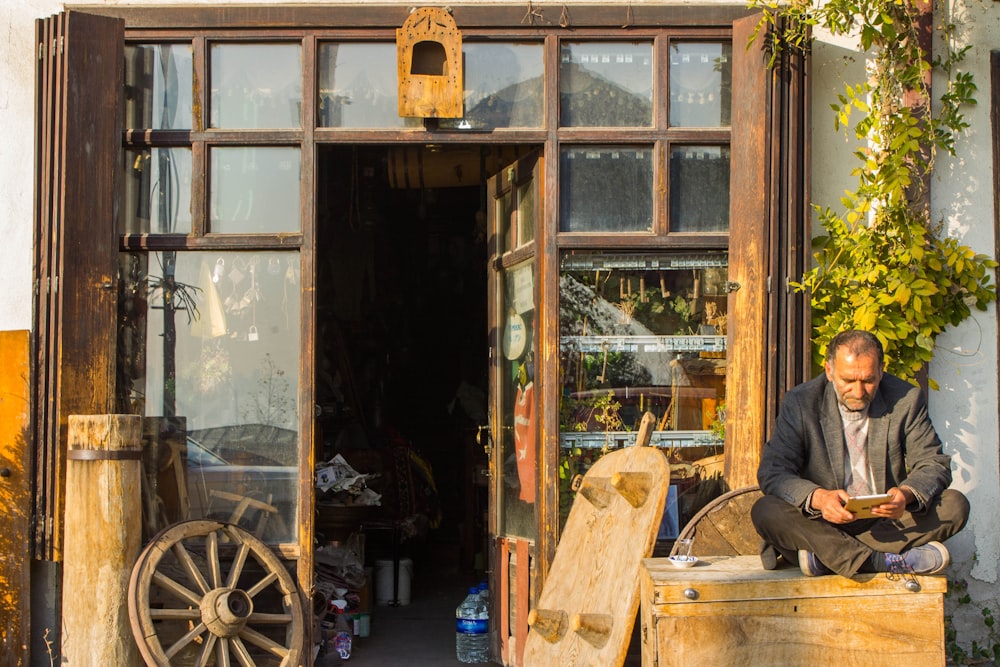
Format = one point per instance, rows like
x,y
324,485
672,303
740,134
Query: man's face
x,y
855,378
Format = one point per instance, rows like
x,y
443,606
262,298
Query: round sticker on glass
x,y
515,337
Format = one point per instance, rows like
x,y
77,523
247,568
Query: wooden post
x,y
103,525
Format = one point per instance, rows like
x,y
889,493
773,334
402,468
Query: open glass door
x,y
513,219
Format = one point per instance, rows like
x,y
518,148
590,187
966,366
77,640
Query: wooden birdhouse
x,y
429,62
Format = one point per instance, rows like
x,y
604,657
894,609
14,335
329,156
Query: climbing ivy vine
x,y
883,265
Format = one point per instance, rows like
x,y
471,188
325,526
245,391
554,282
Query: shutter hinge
x,y
732,286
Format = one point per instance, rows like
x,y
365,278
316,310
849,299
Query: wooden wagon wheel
x,y
723,526
210,593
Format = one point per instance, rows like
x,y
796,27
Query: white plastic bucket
x,y
383,581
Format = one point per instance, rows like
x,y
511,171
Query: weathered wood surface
x,y
15,496
102,540
429,65
781,617
723,527
746,391
588,604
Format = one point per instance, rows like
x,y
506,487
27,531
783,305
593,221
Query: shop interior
x,y
401,358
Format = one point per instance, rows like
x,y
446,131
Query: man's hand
x,y
895,507
831,505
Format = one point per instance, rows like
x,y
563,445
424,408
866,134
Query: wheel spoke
x,y
214,570
262,584
263,642
222,653
206,651
269,619
185,640
190,568
186,614
241,652
178,589
239,560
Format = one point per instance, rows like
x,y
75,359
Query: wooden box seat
x,y
728,610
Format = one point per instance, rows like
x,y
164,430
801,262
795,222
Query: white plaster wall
x,y
965,410
17,84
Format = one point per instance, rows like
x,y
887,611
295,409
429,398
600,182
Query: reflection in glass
x,y
254,190
606,189
606,84
701,81
358,86
526,211
208,353
518,451
256,86
157,191
699,189
640,333
158,86
503,86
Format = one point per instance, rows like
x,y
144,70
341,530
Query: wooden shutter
x,y
78,158
768,245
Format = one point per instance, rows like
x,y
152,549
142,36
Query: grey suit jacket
x,y
806,450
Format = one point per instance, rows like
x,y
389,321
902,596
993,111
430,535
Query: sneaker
x,y
930,558
811,566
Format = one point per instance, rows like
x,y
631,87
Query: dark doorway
x,y
401,354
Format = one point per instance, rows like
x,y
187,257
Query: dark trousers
x,y
844,548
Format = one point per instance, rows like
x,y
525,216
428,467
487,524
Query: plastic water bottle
x,y
472,639
342,636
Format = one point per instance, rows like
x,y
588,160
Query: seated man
x,y
856,431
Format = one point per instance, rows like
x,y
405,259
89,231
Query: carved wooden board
x,y
588,605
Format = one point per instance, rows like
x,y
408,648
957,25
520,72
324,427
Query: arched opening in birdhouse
x,y
429,58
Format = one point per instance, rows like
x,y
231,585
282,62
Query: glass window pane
x,y
209,355
701,82
503,86
606,84
254,190
640,333
157,191
699,189
158,88
526,209
518,450
359,87
256,86
606,189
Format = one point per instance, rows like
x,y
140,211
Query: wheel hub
x,y
225,611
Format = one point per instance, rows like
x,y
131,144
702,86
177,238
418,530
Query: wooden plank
x,y
740,578
373,16
15,495
594,579
847,632
80,123
748,265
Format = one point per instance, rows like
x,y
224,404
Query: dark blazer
x,y
806,450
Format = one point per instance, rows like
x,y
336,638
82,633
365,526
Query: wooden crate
x,y
730,611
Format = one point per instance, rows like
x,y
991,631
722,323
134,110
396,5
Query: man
x,y
856,431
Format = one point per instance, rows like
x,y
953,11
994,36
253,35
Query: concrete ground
x,y
422,633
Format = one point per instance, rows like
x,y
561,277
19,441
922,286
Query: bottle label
x,y
472,626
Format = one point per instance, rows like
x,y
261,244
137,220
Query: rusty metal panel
x,y
15,495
